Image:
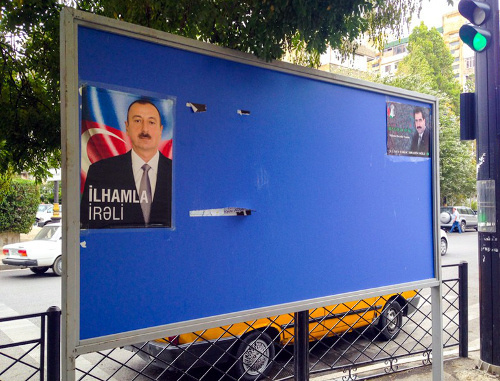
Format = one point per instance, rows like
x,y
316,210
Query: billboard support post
x,y
301,347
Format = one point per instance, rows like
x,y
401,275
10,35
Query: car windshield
x,y
43,207
447,209
47,233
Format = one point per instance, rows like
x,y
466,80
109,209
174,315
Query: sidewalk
x,y
463,369
455,369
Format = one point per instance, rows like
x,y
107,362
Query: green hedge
x,y
18,206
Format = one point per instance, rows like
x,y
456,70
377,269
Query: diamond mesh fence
x,y
355,340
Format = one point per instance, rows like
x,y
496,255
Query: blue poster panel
x,y
277,187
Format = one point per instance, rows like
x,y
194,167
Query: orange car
x,y
251,346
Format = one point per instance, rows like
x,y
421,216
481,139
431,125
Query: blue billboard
x,y
283,185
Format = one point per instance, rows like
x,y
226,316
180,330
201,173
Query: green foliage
x,y
416,64
47,193
430,58
18,206
29,86
456,158
473,205
470,84
457,161
267,28
29,50
428,69
5,181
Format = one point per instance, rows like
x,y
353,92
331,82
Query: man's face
x,y
419,122
144,129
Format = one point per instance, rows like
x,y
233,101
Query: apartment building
x,y
332,61
464,60
386,62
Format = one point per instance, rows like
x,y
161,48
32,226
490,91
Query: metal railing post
x,y
463,309
53,343
301,347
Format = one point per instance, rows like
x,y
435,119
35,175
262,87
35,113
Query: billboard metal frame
x,y
73,346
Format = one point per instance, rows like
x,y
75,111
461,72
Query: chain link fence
x,y
355,340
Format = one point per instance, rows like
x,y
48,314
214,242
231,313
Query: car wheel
x,y
254,357
57,266
444,246
39,270
463,225
391,321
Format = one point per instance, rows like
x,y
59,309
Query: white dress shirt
x,y
137,164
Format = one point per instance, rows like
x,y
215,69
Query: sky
x,y
432,12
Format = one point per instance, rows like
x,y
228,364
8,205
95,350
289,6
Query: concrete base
x,y
489,368
9,237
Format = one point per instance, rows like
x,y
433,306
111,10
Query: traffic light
x,y
475,36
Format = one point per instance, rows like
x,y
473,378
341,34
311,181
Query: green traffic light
x,y
479,42
476,37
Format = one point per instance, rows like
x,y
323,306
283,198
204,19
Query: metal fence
x,y
355,340
33,358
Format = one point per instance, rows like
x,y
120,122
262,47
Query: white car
x,y
44,252
44,214
468,218
444,242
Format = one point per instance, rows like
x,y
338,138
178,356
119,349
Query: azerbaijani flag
x,y
103,116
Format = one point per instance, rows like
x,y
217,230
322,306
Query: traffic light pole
x,y
488,160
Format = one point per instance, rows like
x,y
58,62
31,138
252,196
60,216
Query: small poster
x,y
126,160
408,130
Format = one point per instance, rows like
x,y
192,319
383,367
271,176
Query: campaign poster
x,y
126,159
408,130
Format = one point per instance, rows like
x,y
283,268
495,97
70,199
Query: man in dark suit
x,y
133,189
420,141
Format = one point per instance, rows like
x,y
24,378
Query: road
x,y
463,247
23,292
27,293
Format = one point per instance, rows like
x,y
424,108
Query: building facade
x,y
386,62
464,60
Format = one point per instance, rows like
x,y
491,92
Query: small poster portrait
x,y
408,130
126,160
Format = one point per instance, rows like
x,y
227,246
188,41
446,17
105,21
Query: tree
x,y
457,163
428,69
430,57
470,84
18,205
29,49
29,87
266,28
